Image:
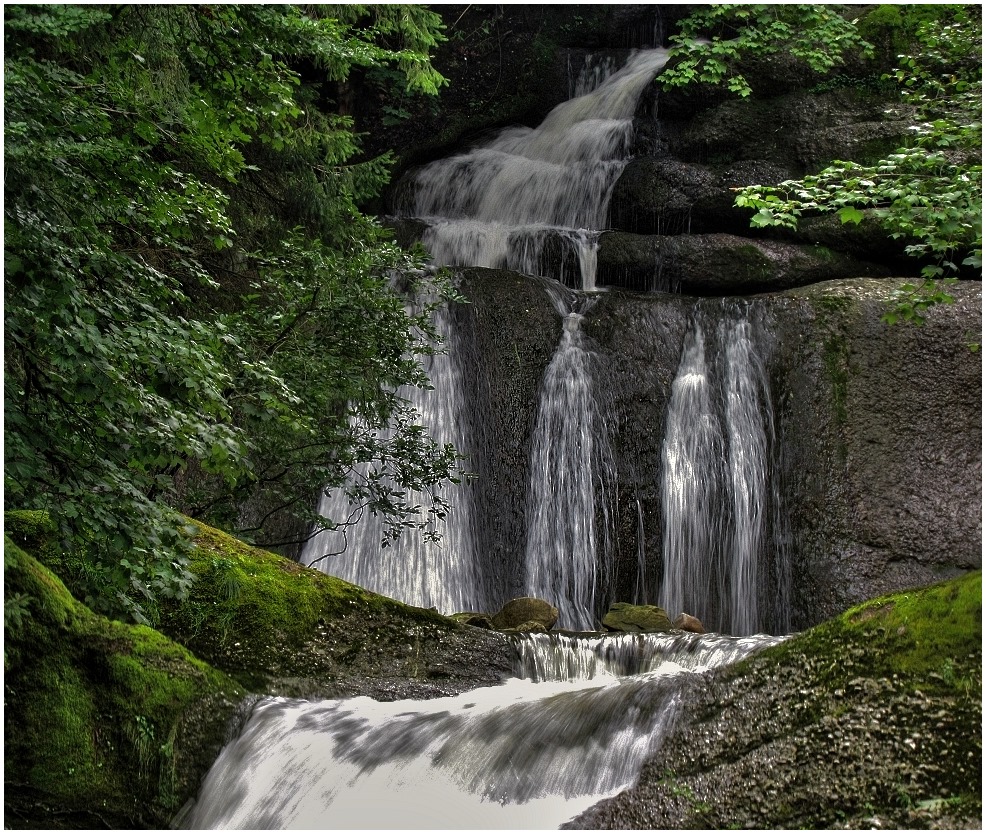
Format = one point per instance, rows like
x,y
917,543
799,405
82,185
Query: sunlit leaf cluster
x,y
713,41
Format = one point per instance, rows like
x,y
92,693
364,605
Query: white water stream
x,y
569,462
415,569
723,520
532,753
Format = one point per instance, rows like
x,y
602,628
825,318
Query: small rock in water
x,y
523,611
686,622
622,616
473,618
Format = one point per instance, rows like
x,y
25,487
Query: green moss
x,y
750,262
929,639
251,611
97,712
894,27
932,637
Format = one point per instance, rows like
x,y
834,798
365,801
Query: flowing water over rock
x,y
529,754
416,569
535,200
722,509
570,466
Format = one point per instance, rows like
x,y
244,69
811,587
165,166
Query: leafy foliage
x,y
929,192
712,41
194,305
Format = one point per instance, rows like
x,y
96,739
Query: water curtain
x,y
723,520
416,569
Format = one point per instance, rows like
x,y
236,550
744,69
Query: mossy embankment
x,y
106,725
283,629
870,720
113,725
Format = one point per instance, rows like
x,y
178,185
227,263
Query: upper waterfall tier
x,y
534,196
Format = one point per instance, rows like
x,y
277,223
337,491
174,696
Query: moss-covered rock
x,y
280,628
870,720
105,724
622,616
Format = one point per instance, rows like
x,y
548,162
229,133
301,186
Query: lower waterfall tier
x,y
809,456
523,755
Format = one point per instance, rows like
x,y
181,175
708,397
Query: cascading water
x,y
534,200
531,753
722,514
414,569
570,461
583,714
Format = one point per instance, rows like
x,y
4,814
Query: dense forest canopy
x,y
198,315
189,284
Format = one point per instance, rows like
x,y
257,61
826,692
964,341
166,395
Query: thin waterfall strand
x,y
747,420
723,519
692,483
568,454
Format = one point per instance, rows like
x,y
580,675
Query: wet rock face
x,y
513,330
879,426
661,195
881,430
720,264
802,128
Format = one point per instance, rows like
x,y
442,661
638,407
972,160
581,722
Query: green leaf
x,y
848,214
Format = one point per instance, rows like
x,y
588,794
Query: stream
x,y
574,726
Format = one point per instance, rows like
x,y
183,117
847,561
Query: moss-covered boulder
x,y
113,725
106,725
622,616
525,611
282,629
870,720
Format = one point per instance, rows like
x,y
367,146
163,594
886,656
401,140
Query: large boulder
x,y
106,725
882,429
622,616
525,613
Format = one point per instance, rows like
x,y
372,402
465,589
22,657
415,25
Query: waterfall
x,y
692,483
535,199
531,753
722,513
415,569
569,465
640,586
